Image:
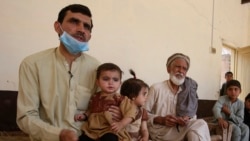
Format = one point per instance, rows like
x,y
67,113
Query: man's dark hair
x,y
75,8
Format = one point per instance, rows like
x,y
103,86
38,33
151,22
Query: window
x,y
238,62
227,61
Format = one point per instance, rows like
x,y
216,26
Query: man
x,y
228,77
172,105
57,83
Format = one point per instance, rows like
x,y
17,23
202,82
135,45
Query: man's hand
x,y
182,121
170,120
68,135
116,113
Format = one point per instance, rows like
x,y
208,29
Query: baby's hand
x,y
79,117
116,126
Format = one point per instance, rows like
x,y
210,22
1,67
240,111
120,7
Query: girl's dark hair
x,y
247,97
108,67
132,86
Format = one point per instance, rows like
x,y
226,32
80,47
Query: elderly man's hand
x,y
182,121
170,120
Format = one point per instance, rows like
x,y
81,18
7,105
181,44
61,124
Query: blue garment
x,y
240,130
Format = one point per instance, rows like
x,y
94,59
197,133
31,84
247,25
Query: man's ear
x,y
168,69
57,27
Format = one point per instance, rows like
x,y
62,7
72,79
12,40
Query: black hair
x,y
108,67
132,86
233,83
228,73
75,8
247,97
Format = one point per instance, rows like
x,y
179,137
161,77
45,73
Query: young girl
x,y
137,91
99,125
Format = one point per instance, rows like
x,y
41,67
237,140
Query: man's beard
x,y
177,78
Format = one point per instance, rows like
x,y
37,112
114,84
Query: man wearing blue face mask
x,y
57,83
73,45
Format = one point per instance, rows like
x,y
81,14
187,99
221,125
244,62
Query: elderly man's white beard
x,y
177,78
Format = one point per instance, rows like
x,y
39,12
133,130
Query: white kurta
x,y
162,101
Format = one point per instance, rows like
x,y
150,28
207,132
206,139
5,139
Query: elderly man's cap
x,y
178,55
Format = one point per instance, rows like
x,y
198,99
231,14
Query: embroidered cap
x,y
178,55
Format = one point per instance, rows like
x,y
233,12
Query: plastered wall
x,y
137,34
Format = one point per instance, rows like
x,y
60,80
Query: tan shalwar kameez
x,y
49,97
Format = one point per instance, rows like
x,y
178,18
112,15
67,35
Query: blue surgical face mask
x,y
73,45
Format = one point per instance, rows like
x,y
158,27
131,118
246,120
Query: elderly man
x,y
172,105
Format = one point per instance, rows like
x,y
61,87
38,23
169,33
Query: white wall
x,y
137,34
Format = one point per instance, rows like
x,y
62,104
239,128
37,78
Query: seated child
x,y
247,111
137,91
230,110
99,125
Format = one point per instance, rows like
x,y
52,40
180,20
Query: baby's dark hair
x,y
132,86
108,67
247,97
